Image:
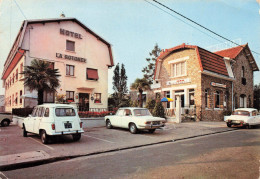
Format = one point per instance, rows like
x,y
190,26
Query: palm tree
x,y
140,85
39,76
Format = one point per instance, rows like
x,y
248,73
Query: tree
x,y
119,85
141,85
39,76
158,110
257,96
149,69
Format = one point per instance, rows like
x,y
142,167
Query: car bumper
x,y
66,132
240,124
148,126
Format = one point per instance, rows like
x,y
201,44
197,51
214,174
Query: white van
x,y
53,119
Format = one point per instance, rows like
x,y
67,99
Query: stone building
x,y
82,57
212,84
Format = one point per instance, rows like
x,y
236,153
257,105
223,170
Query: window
x,y
70,96
217,99
242,101
21,93
16,98
13,78
61,112
12,99
92,74
97,97
16,75
120,112
206,98
142,112
70,70
178,69
243,72
48,97
34,112
70,45
40,112
191,96
47,111
128,112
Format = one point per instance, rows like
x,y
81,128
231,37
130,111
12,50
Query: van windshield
x,y
61,112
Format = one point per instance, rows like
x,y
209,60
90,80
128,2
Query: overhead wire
x,y
20,9
198,24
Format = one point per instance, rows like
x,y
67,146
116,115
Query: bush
x,y
158,110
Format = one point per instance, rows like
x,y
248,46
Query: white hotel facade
x,y
82,57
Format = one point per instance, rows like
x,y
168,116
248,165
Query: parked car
x,y
243,117
52,120
6,119
134,119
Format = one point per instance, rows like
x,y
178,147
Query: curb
x,y
56,159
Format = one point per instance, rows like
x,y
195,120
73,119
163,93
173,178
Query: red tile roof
x,y
208,61
230,52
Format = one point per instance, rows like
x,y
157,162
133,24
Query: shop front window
x,y
217,99
191,97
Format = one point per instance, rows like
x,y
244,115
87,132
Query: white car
x,y
243,117
134,119
53,119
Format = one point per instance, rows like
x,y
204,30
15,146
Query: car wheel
x,y
132,128
5,123
24,131
228,124
44,137
76,137
108,124
151,131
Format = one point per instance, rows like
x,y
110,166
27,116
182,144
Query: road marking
x,y
98,138
2,176
42,143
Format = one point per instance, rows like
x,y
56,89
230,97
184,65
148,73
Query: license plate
x,y
67,125
236,122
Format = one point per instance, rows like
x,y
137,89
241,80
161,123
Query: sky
x,y
133,27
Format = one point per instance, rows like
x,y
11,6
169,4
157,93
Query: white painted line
x,y
2,176
42,143
99,138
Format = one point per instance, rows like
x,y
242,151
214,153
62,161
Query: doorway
x,y
83,101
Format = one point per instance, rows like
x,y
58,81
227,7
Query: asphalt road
x,y
234,154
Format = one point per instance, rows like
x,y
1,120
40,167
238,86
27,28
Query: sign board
x,y
69,57
179,81
218,85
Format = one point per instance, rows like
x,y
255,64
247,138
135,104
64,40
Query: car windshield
x,y
61,112
142,112
241,113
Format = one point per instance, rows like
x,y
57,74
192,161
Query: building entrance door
x,y
83,101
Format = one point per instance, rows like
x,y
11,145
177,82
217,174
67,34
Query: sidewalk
x,y
96,139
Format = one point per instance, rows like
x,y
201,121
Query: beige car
x,y
6,119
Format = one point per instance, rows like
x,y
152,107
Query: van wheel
x,y
5,123
44,137
132,128
228,124
76,137
24,131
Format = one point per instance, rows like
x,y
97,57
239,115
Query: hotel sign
x,y
180,81
218,85
69,57
70,33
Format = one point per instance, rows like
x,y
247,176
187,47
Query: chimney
x,y
62,15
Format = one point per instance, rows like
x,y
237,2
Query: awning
x,y
166,100
92,74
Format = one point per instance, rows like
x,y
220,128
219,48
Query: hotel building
x,y
82,57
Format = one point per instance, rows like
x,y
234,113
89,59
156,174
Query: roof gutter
x,y
206,72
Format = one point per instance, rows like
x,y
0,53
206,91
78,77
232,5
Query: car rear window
x,y
241,113
61,112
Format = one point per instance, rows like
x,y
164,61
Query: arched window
x,y
242,101
243,72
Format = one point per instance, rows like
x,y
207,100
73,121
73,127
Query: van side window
x,y
40,111
34,112
46,114
253,113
